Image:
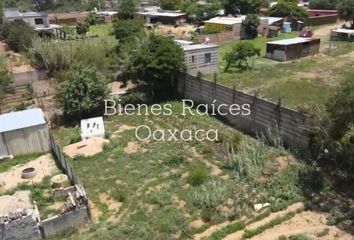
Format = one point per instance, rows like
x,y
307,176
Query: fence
x,y
62,223
266,117
27,77
62,162
226,36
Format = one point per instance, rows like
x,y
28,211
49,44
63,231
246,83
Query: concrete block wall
x,y
266,117
25,228
61,223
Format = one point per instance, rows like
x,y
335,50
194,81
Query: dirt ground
x,y
309,223
180,32
87,148
324,33
118,87
44,165
20,200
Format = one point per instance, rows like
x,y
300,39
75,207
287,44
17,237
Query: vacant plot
x,y
175,189
298,83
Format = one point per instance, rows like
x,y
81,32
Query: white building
x,y
38,20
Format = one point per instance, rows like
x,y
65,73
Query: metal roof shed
x,y
23,132
293,48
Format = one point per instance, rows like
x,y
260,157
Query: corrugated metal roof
x,y
343,30
291,41
198,46
22,119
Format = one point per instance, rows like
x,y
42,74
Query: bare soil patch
x,y
20,200
197,223
133,147
44,166
87,148
309,223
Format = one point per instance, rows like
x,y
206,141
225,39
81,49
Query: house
x,y
321,16
202,58
70,18
92,127
342,34
38,20
293,48
168,18
23,132
234,25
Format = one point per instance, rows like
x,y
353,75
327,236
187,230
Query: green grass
x,y
231,228
102,30
299,83
145,181
7,164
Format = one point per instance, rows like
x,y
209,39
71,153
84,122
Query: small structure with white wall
x,y
293,48
38,20
92,127
202,58
166,17
342,34
23,132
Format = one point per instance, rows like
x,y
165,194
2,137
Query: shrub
x,y
18,35
75,137
197,174
207,214
175,160
82,94
300,236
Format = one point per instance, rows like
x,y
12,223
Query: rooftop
x,y
198,46
163,14
22,119
15,13
226,20
343,30
291,41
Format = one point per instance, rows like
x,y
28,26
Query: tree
x,y
82,93
250,24
82,29
126,30
126,9
346,11
243,7
333,139
91,19
323,4
240,53
170,4
289,10
42,5
158,61
18,35
5,81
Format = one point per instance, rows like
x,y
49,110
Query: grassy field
x,y
157,188
298,83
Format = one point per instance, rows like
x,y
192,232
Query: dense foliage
x,y
346,11
126,9
323,4
18,35
243,6
82,93
289,10
240,53
170,4
158,62
56,56
250,24
127,30
333,142
4,83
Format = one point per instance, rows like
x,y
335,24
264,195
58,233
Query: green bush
x,y
18,35
198,173
207,214
175,160
231,228
75,136
300,236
